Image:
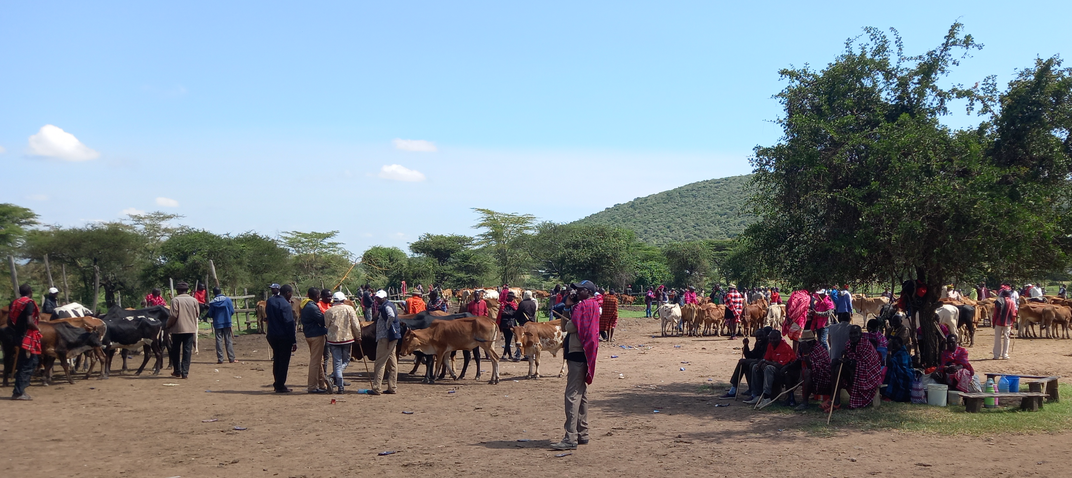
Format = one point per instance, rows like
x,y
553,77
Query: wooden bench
x,y
1035,383
1029,401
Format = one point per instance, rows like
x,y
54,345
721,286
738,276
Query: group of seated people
x,y
865,360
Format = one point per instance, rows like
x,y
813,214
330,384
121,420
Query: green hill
x,y
711,209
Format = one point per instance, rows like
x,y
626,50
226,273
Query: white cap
x,y
381,294
338,297
821,292
53,290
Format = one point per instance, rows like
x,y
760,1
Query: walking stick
x,y
361,351
780,395
737,395
837,382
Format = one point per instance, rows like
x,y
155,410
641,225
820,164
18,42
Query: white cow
x,y
775,316
671,315
948,316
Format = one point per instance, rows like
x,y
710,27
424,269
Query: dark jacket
x,y
48,306
758,351
312,320
526,311
280,319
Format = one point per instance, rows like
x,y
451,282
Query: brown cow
x,y
868,305
753,315
690,319
59,338
714,316
1032,313
533,338
443,337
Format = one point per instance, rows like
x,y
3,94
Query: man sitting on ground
x,y
769,373
955,370
744,365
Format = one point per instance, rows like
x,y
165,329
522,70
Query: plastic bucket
x,y
954,398
937,394
1014,383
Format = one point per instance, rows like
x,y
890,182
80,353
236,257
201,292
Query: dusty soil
x,y
156,426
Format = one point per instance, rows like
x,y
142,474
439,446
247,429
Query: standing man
x,y
581,351
221,309
843,304
201,295
366,302
49,305
526,310
415,303
183,326
608,316
734,307
822,310
436,301
388,331
27,340
312,320
478,306
507,321
649,297
341,323
1004,318
281,334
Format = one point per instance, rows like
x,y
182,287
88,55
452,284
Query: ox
x,y
533,338
868,305
713,317
443,337
131,329
671,317
60,339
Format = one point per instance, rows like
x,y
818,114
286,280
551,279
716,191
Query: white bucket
x,y
937,394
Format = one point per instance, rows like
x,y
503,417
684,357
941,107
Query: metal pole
x,y
48,270
14,276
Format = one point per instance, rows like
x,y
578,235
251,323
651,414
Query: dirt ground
x,y
156,426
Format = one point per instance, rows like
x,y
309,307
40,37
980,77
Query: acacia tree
x,y
867,185
504,235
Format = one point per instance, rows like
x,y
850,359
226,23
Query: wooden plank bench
x,y
1030,401
1036,383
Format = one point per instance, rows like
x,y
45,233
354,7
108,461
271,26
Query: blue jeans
x,y
821,336
647,313
23,371
340,358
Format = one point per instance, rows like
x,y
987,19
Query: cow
x,y
91,324
868,305
131,329
534,338
775,316
671,317
443,337
753,315
422,320
949,316
58,339
1063,316
966,324
713,317
689,320
1032,313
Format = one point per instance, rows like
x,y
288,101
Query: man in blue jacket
x,y
843,305
281,334
220,308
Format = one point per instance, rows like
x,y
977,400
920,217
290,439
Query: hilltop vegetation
x,y
711,209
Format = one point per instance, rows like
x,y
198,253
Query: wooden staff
x,y
837,382
212,270
780,395
14,275
48,270
344,276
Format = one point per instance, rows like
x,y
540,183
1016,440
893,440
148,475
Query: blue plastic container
x,y
1003,384
1014,382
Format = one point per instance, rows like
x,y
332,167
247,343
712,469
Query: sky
x,y
388,120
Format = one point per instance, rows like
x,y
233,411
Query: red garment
x,y
822,304
868,372
782,353
1008,318
414,305
201,296
323,306
735,302
152,300
502,306
478,308
608,319
957,357
819,364
775,298
690,297
31,342
585,315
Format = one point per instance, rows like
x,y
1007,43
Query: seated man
x,y
899,373
954,369
769,374
861,372
874,334
899,330
815,370
744,365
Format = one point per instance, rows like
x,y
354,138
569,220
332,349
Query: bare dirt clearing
x,y
156,426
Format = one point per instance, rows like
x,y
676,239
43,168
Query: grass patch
x,y
951,420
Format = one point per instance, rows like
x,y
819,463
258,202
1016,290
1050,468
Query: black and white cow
x,y
131,329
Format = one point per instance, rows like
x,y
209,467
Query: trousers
x,y
182,345
225,338
386,363
340,359
23,371
1001,341
280,360
576,402
317,380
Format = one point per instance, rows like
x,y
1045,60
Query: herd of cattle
x,y
707,318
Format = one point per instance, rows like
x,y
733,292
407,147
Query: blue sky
x,y
390,119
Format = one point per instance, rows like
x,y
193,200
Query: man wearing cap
x,y
312,320
183,325
342,330
415,303
281,334
582,347
48,306
220,309
526,310
734,307
822,310
388,331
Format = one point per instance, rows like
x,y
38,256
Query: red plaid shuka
x,y
735,303
152,300
609,318
868,372
31,342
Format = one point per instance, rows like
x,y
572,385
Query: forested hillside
x,y
711,209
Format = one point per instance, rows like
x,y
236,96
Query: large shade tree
x,y
868,185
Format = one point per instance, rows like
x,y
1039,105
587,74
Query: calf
x,y
130,329
60,339
443,337
533,338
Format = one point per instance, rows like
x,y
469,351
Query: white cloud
x,y
53,142
398,172
37,197
167,202
2,150
416,145
131,210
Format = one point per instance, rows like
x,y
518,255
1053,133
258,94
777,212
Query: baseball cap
x,y
381,294
585,284
53,290
338,297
